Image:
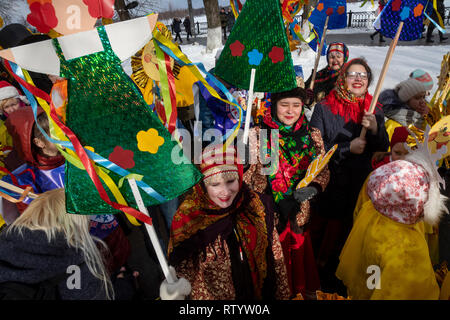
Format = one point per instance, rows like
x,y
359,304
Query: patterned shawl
x,y
296,151
198,222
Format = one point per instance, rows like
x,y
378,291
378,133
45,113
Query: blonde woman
x,y
45,243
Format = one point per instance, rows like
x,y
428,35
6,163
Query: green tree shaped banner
x,y
258,41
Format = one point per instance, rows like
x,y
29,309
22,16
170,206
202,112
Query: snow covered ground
x,y
404,60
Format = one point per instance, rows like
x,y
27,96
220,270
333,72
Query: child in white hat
x,y
10,99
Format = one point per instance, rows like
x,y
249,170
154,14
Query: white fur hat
x,y
8,91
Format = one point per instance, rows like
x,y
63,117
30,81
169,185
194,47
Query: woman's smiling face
x,y
222,191
357,79
289,110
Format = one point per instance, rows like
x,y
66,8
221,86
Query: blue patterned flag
x,y
315,43
336,9
408,11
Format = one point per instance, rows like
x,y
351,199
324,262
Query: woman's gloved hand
x,y
174,291
310,94
305,193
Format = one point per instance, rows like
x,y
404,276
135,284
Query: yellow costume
x,y
5,141
401,252
445,289
386,255
391,124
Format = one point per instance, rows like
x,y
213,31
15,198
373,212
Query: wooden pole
x,y
15,189
152,233
387,61
248,113
319,51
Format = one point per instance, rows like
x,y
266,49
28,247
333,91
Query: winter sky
x,y
182,4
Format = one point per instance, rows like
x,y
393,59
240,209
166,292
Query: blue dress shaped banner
x,y
315,43
408,11
336,9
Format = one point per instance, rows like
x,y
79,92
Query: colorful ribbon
x,y
170,49
30,90
167,84
67,144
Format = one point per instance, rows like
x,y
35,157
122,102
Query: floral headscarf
x,y
296,151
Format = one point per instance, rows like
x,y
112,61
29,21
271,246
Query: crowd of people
x,y
246,231
227,20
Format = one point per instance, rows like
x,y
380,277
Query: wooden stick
x,y
249,106
15,189
319,51
387,61
152,233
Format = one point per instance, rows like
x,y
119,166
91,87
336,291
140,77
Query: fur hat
x,y
423,77
7,91
409,88
293,93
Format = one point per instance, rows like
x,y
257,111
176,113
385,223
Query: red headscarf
x,y
343,103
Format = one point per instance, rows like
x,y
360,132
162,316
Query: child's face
x,y
419,104
11,105
47,148
398,151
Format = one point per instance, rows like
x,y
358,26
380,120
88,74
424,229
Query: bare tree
x,y
120,7
214,39
191,16
9,11
307,8
145,7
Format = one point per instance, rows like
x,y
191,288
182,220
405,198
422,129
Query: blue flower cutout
x,y
405,13
254,57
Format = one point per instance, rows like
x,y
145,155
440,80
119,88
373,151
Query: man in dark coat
x,y
176,28
224,22
434,16
231,19
187,26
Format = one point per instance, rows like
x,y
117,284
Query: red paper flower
x,y
236,48
100,8
396,5
42,16
277,54
123,158
341,10
329,11
418,10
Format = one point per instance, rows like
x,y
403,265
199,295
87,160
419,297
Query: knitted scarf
x,y
325,75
